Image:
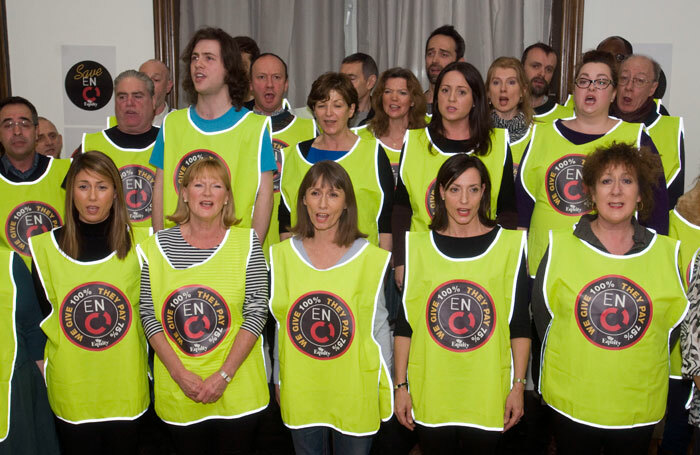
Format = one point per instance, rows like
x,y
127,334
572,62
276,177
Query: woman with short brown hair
x,y
333,334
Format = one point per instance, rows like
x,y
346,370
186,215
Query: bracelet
x,y
226,377
521,380
403,384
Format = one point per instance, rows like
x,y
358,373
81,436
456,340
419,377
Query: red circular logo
x,y
196,318
430,199
137,182
564,186
460,315
189,159
28,219
321,325
95,316
613,312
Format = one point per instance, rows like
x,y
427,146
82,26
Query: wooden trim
x,y
566,37
166,21
5,86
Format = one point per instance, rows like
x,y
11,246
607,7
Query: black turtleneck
x,y
94,245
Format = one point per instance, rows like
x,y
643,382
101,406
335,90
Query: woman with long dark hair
x,y
465,316
87,273
460,124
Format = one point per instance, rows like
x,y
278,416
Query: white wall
x,y
645,22
37,29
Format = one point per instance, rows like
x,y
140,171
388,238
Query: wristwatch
x,y
226,377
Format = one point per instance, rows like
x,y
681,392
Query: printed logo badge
x,y
321,325
430,199
613,312
189,159
89,85
196,318
28,219
460,316
137,182
95,316
277,146
564,186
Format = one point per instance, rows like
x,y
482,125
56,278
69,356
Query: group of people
x,y
399,269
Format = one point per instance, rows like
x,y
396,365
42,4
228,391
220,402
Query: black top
x,y
281,120
468,247
506,212
132,141
386,181
547,106
94,245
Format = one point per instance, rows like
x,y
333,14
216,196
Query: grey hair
x,y
136,75
656,68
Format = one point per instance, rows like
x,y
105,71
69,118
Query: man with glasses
x,y
637,81
620,48
30,183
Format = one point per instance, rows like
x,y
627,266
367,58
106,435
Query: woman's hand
x,y
398,276
514,407
402,408
277,393
212,389
189,382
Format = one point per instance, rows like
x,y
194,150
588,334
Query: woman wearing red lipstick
x,y
460,124
203,306
509,99
333,338
549,187
87,275
465,316
605,300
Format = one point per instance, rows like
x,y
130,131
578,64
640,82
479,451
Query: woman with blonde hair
x,y
87,276
509,100
203,307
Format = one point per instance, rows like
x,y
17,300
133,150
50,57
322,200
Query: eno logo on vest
x,y
196,318
189,159
430,199
28,219
321,325
95,316
564,186
613,312
460,315
277,146
137,182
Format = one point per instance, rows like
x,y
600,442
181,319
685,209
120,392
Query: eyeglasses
x,y
600,84
23,124
636,82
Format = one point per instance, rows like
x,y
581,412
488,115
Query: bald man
x,y
160,75
49,141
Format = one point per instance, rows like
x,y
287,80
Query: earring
x,y
184,200
226,203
